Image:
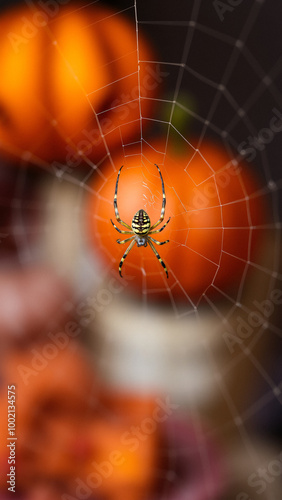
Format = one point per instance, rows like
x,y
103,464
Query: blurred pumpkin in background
x,y
69,79
213,209
44,392
66,420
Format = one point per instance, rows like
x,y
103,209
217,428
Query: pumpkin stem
x,y
181,121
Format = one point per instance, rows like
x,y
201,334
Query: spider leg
x,y
119,230
121,242
164,201
159,230
124,255
158,257
116,206
157,242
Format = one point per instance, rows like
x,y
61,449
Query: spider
x,y
141,228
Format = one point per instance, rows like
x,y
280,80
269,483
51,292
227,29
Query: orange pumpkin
x,y
41,376
69,82
212,205
66,421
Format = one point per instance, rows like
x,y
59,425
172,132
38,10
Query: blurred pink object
x,y
31,300
194,468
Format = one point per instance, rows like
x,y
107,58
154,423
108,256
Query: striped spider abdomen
x,y
141,223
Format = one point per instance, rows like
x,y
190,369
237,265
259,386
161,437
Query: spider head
x,y
141,242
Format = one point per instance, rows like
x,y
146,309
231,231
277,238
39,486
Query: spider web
x,y
221,69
